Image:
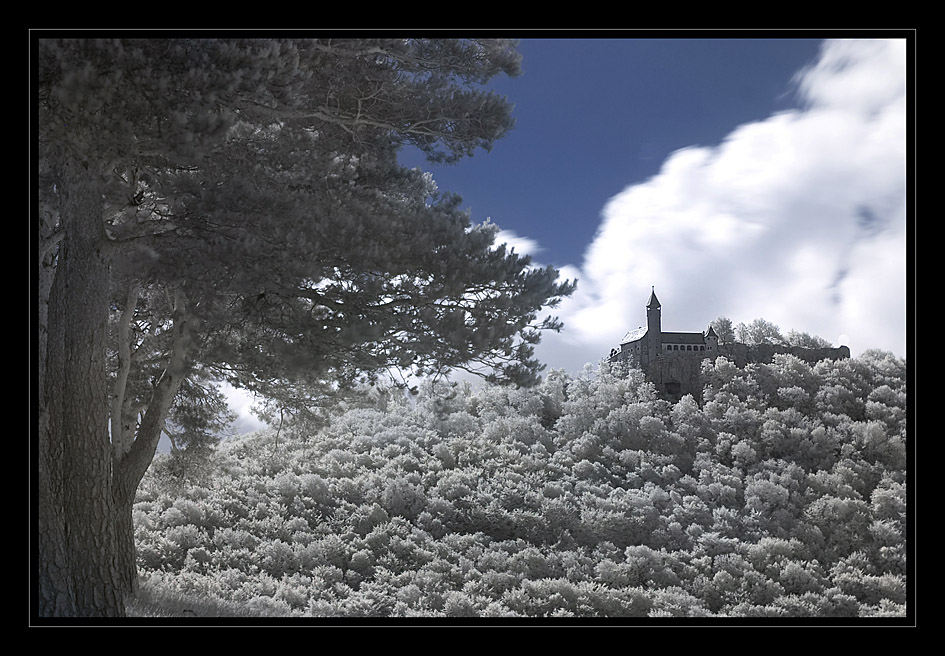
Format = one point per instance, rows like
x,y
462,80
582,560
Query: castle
x,y
673,361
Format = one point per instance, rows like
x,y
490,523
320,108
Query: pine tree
x,y
235,208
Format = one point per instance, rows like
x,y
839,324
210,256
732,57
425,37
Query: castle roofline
x,y
683,338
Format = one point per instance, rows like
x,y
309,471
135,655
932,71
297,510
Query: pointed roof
x,y
710,332
654,302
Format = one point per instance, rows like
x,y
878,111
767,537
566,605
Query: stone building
x,y
673,361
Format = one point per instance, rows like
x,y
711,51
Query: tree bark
x,y
56,596
77,564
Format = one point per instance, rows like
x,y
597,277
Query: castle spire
x,y
654,302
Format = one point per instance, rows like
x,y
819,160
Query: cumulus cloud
x,y
798,219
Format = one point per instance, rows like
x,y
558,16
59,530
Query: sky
x,y
745,178
738,177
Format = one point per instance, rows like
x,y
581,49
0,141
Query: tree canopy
x,y
759,331
259,178
723,330
234,208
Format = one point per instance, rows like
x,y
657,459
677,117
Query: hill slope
x,y
783,495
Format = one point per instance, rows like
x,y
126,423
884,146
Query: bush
x,y
585,497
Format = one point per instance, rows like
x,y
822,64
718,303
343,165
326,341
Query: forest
x,y
784,495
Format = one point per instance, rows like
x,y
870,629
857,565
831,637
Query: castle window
x,y
688,347
701,348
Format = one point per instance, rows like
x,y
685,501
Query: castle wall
x,y
743,354
676,374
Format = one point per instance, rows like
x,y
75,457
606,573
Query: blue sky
x,y
747,178
594,115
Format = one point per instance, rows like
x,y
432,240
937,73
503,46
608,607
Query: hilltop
x,y
782,495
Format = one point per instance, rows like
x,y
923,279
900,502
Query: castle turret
x,y
654,341
711,341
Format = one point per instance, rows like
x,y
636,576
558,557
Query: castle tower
x,y
654,338
711,341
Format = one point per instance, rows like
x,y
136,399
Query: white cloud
x,y
521,245
241,403
861,74
798,219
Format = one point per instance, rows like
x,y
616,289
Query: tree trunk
x,y
78,573
56,597
125,554
132,458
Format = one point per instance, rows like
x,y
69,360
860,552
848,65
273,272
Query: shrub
x,y
589,497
